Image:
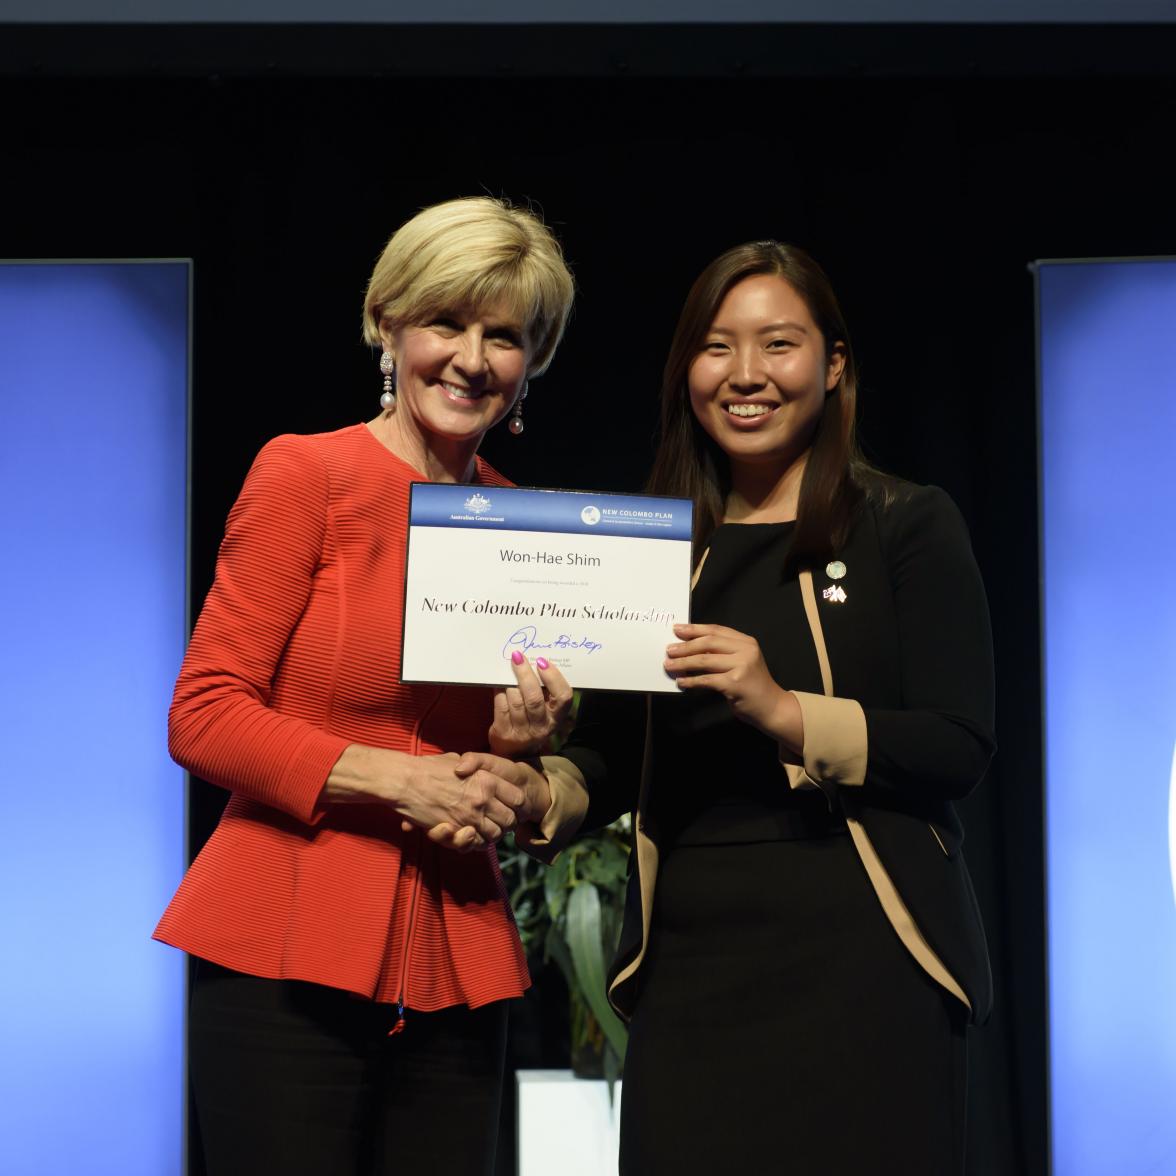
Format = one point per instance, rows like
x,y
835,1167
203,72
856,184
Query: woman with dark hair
x,y
802,950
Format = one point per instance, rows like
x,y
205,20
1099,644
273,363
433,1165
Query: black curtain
x,y
925,180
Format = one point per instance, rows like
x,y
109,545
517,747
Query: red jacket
x,y
297,654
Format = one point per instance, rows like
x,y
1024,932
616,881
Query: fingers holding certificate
x,y
496,577
527,716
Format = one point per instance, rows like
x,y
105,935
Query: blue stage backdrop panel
x,y
1108,487
93,486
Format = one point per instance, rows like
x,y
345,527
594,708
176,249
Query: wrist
x,y
786,722
536,790
567,791
517,751
365,774
539,796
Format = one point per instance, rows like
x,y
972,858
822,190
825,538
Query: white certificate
x,y
593,582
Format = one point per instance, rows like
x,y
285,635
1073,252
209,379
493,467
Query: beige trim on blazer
x,y
843,745
565,814
646,849
644,845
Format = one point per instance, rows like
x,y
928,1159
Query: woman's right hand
x,y
463,811
526,778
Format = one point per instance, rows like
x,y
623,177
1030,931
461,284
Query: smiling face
x,y
458,374
759,381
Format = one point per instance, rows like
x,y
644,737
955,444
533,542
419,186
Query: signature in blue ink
x,y
527,638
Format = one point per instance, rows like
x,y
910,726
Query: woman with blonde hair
x,y
355,943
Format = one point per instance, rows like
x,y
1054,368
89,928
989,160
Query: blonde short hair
x,y
473,252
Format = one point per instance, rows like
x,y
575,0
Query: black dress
x,y
780,1023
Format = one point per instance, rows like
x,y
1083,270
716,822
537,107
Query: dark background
x,y
925,167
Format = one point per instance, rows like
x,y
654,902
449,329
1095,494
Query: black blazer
x,y
911,644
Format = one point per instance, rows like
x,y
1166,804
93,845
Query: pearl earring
x,y
388,367
515,424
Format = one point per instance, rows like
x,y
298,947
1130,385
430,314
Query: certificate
x,y
593,582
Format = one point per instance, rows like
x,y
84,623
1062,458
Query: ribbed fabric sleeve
x,y
221,727
296,655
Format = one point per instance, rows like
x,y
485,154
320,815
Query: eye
x,y
445,323
506,336
714,347
781,344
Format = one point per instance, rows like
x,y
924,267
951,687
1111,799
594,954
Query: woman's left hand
x,y
527,715
713,657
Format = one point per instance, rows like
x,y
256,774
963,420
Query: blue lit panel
x,y
93,440
1108,477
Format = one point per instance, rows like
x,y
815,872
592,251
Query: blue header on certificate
x,y
572,512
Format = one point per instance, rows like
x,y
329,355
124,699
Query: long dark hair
x,y
690,465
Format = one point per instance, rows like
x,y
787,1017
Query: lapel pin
x,y
835,594
835,570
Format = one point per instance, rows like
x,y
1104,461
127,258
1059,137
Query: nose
x,y
470,359
747,373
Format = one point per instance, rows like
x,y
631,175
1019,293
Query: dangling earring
x,y
515,425
388,367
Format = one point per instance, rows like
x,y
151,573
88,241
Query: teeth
x,y
463,393
749,410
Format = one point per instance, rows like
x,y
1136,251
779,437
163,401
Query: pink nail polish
x,y
542,663
517,658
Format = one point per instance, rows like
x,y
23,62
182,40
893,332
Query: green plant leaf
x,y
557,950
607,866
587,950
556,882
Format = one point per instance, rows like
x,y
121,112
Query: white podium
x,y
566,1124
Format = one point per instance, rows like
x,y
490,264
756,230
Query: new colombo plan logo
x,y
590,515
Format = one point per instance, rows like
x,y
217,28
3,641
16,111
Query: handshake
x,y
467,802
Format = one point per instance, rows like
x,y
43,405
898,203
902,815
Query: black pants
x,y
304,1080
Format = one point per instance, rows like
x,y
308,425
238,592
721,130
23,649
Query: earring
x,y
388,367
515,425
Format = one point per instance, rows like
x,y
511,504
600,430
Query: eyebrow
x,y
464,314
787,325
506,328
496,322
